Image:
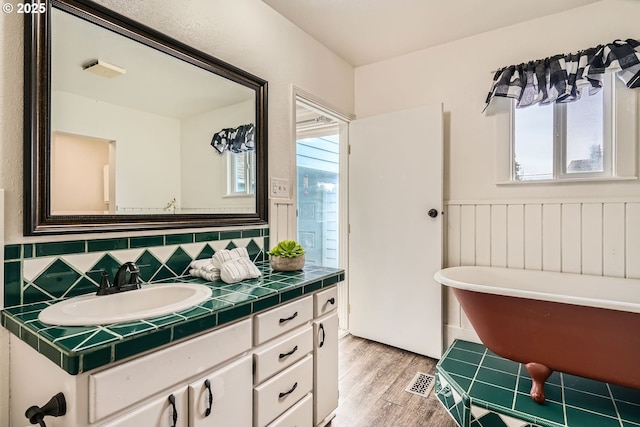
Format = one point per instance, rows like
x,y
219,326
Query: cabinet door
x,y
161,412
224,397
325,367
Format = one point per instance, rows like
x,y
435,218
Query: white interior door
x,y
395,247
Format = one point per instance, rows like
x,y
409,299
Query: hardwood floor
x,y
373,378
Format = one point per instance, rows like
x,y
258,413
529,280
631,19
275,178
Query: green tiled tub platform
x,y
481,389
80,349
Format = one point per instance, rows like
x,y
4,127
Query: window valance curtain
x,y
236,140
561,78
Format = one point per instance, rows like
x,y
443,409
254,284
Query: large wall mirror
x,y
126,128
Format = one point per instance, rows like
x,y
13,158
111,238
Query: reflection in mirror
x,y
153,116
140,131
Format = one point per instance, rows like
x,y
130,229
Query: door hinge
x,y
348,228
348,308
349,149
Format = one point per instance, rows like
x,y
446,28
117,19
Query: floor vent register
x,y
421,384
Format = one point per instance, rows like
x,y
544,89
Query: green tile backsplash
x,y
50,270
38,274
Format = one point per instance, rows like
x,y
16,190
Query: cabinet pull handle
x,y
323,335
174,411
281,395
293,316
207,384
283,355
331,301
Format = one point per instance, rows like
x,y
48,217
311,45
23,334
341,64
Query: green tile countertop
x,y
480,389
79,349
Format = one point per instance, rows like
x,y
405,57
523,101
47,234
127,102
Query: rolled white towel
x,y
203,264
211,276
226,255
238,269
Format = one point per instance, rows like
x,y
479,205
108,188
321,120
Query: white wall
x,y
459,75
204,170
147,146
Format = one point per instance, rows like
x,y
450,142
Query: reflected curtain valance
x,y
561,78
236,140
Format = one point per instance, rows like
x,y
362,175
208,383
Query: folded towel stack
x,y
205,269
226,255
235,265
229,265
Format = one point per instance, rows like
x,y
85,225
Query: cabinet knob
x,y
432,213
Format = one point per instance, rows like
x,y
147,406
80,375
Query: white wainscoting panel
x,y
576,236
282,216
632,247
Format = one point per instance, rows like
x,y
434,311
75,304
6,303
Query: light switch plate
x,y
279,187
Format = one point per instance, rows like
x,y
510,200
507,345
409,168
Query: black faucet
x,y
120,282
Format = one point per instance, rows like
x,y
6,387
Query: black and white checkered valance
x,y
236,140
561,78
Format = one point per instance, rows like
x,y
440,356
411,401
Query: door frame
x,y
312,102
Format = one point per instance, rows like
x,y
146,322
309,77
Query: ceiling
x,y
152,82
366,31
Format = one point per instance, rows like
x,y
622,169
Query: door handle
x,y
281,395
174,410
283,355
207,385
293,316
321,329
432,213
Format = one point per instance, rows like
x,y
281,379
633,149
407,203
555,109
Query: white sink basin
x,y
150,301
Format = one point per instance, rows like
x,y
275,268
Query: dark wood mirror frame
x,y
38,219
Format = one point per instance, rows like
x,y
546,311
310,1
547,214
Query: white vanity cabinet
x,y
139,389
219,399
276,368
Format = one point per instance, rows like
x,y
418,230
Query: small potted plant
x,y
287,255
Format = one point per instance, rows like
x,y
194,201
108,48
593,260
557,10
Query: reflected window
x,y
242,179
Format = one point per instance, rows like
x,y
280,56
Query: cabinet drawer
x,y
116,388
282,319
157,413
283,353
299,415
325,301
281,392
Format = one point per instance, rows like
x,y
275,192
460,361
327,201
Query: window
x,y
559,141
593,138
241,167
